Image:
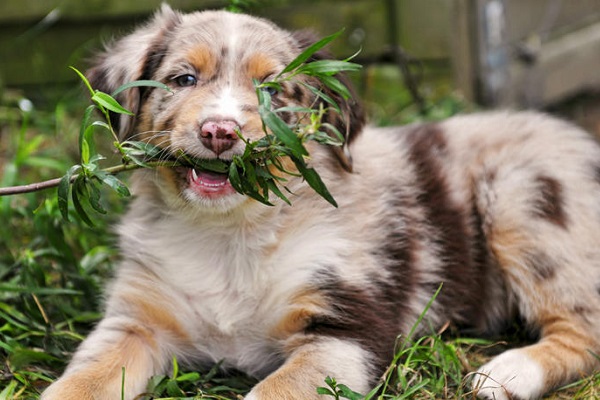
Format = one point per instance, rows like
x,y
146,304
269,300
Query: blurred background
x,y
492,53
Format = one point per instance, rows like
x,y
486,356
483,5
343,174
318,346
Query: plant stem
x,y
52,183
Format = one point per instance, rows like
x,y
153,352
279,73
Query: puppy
x,y
502,208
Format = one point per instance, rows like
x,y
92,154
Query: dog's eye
x,y
271,89
186,80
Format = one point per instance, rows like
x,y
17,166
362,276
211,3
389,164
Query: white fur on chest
x,y
233,281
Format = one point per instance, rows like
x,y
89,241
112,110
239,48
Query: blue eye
x,y
186,80
272,90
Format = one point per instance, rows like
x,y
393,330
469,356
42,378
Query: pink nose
x,y
219,136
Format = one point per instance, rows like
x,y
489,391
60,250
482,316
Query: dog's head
x,y
209,60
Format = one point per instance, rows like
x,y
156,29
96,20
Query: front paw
x,y
68,388
511,375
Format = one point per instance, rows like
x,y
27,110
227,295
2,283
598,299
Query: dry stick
x,y
52,183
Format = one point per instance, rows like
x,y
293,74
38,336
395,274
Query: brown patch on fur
x,y
549,205
596,173
298,378
542,266
360,315
287,164
148,312
204,61
304,306
457,230
260,66
564,350
101,376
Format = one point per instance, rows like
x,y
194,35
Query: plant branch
x,y
52,183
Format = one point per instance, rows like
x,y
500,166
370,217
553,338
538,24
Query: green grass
x,y
52,274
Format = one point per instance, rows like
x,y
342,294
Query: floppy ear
x,y
137,56
351,120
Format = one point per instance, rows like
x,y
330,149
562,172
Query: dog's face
x,y
210,61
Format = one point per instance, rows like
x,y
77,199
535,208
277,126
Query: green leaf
x,y
325,97
85,151
314,180
106,101
273,188
283,132
87,115
94,198
325,391
328,67
347,393
312,49
335,85
141,83
63,191
84,80
80,189
113,182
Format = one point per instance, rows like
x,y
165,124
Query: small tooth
x,y
194,174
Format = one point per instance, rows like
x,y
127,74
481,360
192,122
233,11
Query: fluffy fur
x,y
501,207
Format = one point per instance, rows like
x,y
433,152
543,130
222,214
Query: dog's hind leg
x,y
543,234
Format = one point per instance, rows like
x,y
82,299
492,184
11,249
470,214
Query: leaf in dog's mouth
x,y
216,165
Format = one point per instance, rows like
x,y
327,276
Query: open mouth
x,y
209,184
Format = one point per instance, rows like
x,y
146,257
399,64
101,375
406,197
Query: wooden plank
x,y
548,18
462,48
564,67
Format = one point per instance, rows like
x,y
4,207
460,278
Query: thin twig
x,y
52,183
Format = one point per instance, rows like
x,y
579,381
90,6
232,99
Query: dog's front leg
x,y
118,357
307,367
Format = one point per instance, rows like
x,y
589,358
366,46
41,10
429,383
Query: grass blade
x,y
306,54
106,101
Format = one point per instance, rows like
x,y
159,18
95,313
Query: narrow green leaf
x,y
84,79
85,123
63,191
113,182
94,198
85,151
314,180
337,86
282,132
79,189
234,176
96,157
107,102
312,49
347,393
273,188
325,97
324,67
325,391
101,124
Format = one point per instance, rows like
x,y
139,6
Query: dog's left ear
x,y
351,120
134,57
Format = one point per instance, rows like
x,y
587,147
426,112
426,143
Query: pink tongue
x,y
211,178
209,184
